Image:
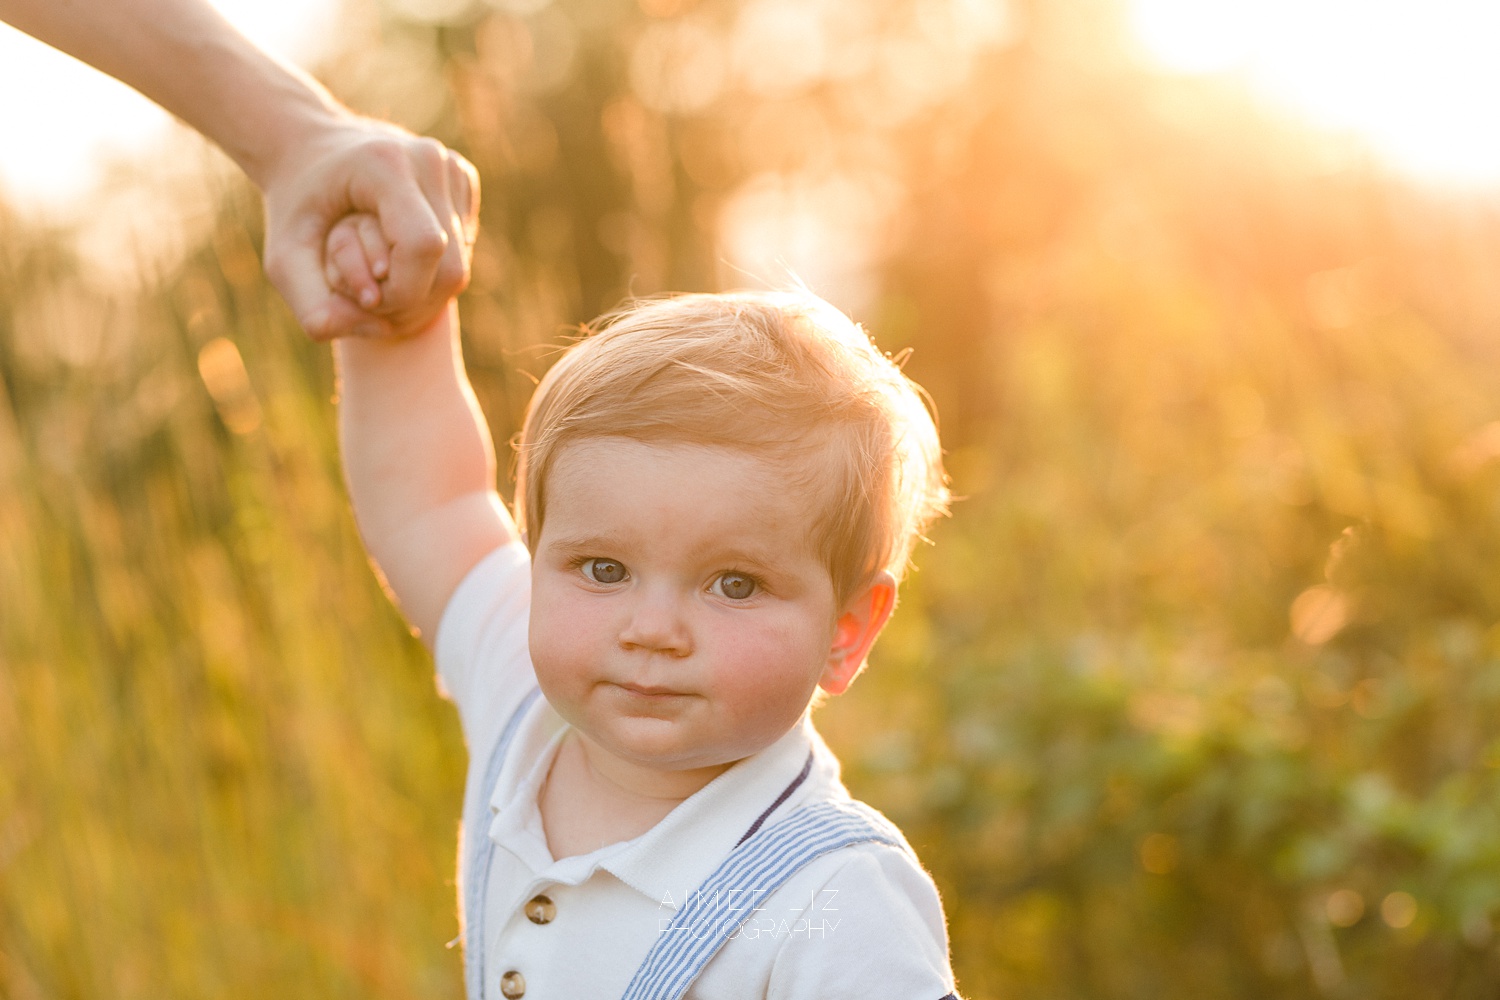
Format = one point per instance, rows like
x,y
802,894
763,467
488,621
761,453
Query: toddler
x,y
716,496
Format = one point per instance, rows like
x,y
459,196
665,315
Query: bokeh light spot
x,y
1398,909
778,47
1318,614
678,66
1344,907
829,230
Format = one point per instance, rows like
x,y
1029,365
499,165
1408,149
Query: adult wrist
x,y
289,132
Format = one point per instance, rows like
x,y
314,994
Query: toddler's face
x,y
679,616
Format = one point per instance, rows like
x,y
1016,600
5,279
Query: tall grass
x,y
225,764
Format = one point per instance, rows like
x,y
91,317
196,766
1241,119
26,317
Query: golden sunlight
x,y
1416,79
65,117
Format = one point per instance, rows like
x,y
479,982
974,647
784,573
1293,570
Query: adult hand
x,y
426,200
314,160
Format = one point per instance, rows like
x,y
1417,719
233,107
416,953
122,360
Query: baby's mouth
x,y
649,690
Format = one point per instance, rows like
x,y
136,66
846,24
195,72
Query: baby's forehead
x,y
594,477
780,466
793,462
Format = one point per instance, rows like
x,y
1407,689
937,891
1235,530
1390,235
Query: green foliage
x,y
1197,694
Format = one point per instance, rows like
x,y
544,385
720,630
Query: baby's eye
x,y
604,570
735,586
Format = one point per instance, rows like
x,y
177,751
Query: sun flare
x,y
1417,80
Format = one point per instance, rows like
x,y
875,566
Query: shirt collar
x,y
682,850
516,818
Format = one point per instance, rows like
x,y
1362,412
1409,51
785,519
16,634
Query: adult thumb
x,y
296,270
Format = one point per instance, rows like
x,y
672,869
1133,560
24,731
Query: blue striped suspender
x,y
476,850
759,865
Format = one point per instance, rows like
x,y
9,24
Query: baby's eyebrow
x,y
747,558
592,544
767,563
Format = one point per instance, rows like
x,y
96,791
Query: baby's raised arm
x,y
418,457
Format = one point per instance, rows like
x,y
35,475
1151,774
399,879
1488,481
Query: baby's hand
x,y
357,258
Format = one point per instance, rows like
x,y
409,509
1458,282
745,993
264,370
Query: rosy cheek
x,y
745,675
551,637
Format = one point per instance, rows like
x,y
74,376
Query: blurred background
x,y
1197,694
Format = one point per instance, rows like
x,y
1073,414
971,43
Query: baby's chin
x,y
661,745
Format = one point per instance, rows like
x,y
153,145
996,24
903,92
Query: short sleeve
x,y
874,930
482,659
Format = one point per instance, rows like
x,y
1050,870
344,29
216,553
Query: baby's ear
x,y
864,615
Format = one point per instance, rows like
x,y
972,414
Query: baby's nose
x,y
657,624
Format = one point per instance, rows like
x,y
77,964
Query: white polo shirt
x,y
862,922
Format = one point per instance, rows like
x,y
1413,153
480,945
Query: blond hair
x,y
780,372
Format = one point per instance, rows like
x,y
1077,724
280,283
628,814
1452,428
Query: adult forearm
x,y
185,56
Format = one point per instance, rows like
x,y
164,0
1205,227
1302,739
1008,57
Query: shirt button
x,y
513,985
540,910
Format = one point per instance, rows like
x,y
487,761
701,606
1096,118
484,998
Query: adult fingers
x,y
294,263
450,184
411,202
463,190
452,189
